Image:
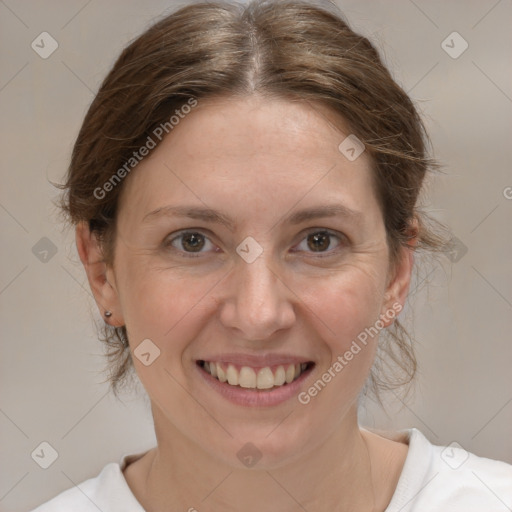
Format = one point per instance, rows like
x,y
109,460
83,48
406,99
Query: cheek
x,y
168,305
159,302
346,303
164,306
343,315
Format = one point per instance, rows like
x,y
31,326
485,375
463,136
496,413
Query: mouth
x,y
267,378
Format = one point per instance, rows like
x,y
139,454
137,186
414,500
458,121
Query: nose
x,y
259,304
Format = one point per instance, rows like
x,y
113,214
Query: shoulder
x,y
439,478
470,481
108,492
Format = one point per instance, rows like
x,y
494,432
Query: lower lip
x,y
255,397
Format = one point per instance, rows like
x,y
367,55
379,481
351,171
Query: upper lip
x,y
256,361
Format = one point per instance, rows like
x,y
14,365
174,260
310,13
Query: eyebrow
x,y
214,216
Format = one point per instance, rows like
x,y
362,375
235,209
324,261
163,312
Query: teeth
x,y
232,375
265,378
290,373
221,374
280,376
247,377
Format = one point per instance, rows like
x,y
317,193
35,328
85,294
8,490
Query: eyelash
x,y
340,237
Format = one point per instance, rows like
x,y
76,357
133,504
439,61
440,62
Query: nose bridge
x,y
261,303
259,283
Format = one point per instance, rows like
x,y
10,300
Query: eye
x,y
190,242
320,241
193,243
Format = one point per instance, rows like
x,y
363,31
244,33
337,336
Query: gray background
x,y
51,359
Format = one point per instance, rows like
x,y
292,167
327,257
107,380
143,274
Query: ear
x,y
399,281
101,277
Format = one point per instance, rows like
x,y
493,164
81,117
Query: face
x,y
246,238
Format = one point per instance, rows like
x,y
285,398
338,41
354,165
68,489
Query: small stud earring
x,y
108,314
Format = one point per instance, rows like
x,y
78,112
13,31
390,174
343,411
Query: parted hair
x,y
297,50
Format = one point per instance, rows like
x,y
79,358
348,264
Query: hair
x,y
283,49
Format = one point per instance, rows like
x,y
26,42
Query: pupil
x,y
193,241
320,241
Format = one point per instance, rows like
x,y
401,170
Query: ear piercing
x,y
124,340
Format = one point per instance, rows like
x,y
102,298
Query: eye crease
x,y
320,241
317,240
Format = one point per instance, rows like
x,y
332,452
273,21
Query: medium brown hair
x,y
287,49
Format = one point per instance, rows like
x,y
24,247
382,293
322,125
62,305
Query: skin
x,y
257,160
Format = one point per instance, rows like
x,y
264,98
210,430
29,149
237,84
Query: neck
x,y
335,475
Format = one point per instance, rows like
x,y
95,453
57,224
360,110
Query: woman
x,y
244,189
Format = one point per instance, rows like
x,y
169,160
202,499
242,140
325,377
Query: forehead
x,y
257,127
276,149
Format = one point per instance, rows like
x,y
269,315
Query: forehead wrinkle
x,y
215,216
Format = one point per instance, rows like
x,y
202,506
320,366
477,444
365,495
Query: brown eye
x,y
321,241
190,242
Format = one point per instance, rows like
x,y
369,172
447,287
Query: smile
x,y
262,378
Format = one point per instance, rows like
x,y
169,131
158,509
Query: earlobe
x,y
398,287
92,258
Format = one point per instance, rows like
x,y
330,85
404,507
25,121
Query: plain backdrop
x,y
51,361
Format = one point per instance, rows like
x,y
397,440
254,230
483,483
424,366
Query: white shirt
x,y
433,479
